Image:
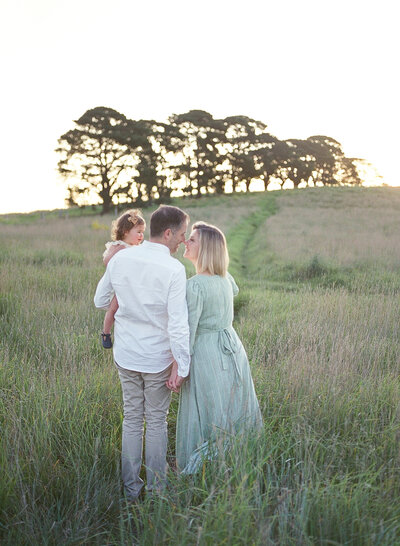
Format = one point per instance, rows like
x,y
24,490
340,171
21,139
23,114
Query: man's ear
x,y
167,234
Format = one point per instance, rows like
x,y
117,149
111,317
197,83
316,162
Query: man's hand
x,y
178,382
171,383
175,381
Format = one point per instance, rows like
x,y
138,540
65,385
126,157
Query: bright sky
x,y
304,68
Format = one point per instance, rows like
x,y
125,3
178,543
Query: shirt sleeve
x,y
104,291
195,299
178,327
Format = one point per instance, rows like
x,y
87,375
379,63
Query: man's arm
x,y
178,327
104,291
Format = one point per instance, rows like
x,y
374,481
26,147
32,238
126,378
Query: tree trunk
x,y
106,205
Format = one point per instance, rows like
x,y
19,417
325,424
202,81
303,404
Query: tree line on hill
x,y
111,159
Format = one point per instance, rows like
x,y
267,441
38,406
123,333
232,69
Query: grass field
x,y
319,315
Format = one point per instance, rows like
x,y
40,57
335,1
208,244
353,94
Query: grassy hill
x,y
319,315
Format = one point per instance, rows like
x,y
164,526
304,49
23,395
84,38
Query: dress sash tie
x,y
228,345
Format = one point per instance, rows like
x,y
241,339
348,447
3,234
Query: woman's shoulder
x,y
196,284
194,290
210,283
201,280
194,281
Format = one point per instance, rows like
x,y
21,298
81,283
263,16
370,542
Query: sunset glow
x,y
329,69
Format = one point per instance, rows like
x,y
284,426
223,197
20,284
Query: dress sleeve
x,y
235,288
111,250
194,298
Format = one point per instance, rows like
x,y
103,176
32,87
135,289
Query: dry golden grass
x,y
61,233
344,227
326,339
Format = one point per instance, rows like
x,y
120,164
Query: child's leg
x,y
109,318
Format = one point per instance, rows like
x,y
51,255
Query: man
x,y
151,330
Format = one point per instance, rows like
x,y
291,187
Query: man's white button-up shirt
x,y
151,324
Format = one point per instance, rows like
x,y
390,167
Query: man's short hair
x,y
166,217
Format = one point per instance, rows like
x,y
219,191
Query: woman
x,y
219,396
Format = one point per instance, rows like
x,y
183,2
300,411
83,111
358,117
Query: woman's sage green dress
x,y
219,395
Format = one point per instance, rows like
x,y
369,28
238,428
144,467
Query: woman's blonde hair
x,y
123,224
213,257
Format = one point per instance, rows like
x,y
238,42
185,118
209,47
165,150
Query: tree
x,y
271,158
109,158
156,167
350,168
359,171
243,136
301,162
97,156
202,152
320,159
328,156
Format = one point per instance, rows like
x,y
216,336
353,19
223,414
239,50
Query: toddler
x,y
126,231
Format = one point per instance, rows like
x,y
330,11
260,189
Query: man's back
x,y
150,287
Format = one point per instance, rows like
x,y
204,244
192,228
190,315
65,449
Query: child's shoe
x,y
106,340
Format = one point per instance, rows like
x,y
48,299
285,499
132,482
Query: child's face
x,y
135,235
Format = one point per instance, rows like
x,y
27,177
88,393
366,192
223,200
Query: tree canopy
x,y
97,156
111,159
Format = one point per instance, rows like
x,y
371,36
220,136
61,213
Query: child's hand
x,y
171,383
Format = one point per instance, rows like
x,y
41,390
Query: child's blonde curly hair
x,y
125,223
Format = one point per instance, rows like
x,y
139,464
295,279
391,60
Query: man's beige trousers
x,y
146,399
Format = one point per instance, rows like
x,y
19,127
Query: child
x,y
126,231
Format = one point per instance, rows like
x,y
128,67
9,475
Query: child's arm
x,y
109,316
110,252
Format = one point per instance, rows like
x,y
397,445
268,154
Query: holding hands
x,y
175,381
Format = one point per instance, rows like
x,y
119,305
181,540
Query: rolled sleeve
x,y
104,291
178,327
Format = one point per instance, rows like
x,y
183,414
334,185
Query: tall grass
x,y
322,335
343,226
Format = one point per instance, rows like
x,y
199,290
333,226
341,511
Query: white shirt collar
x,y
157,246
